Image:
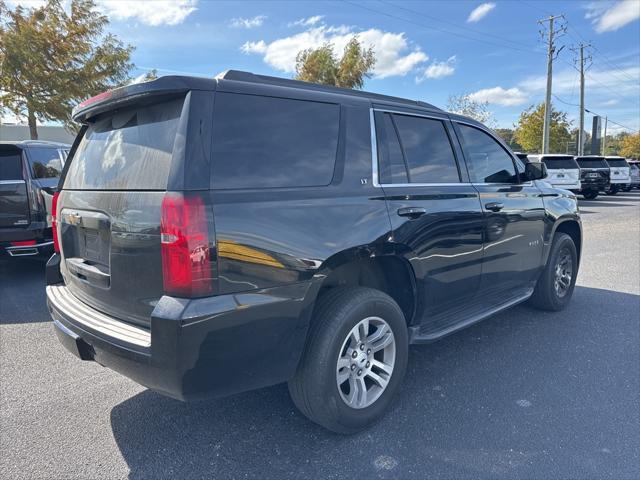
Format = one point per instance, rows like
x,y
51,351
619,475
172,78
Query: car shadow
x,y
19,279
512,396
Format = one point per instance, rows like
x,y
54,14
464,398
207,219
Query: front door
x,y
435,212
514,216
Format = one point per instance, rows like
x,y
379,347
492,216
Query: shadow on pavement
x,y
20,279
525,394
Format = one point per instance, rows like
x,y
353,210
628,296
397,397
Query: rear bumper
x,y
568,186
36,231
594,185
621,181
194,348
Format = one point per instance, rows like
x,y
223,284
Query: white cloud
x,y
609,18
253,22
158,12
307,22
500,96
439,69
394,55
480,11
254,47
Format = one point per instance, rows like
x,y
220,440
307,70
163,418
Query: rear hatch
x,y
562,170
109,208
593,170
14,200
619,168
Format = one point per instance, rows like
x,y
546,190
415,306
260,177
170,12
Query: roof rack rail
x,y
241,76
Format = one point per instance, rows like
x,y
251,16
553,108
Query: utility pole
x,y
551,56
604,139
581,138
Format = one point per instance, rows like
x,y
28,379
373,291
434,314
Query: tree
x,y
321,65
529,130
508,135
465,105
630,146
51,60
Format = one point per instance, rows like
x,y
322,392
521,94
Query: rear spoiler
x,y
111,99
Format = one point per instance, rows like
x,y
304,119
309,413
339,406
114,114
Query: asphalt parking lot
x,y
525,394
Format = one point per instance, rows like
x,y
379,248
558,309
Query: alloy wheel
x,y
365,362
563,273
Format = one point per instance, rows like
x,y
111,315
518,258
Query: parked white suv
x,y
620,174
562,170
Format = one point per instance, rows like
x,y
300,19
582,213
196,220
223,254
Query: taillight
x,y
186,260
54,222
23,243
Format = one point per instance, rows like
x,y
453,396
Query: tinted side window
x,y
390,160
45,162
488,162
428,151
265,142
10,166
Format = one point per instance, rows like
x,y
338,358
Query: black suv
x,y
594,175
220,235
29,174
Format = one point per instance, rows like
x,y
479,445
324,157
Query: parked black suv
x,y
220,235
29,173
594,175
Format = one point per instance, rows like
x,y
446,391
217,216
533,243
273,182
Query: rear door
x,y
619,170
562,171
14,200
110,207
435,212
514,216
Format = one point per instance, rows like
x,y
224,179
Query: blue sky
x,y
426,50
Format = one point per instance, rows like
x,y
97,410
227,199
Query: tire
x,y
590,194
314,388
546,295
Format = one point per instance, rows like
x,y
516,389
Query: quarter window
x,y
419,145
10,166
266,142
488,162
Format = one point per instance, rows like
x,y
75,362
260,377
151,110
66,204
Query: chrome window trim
x,y
374,152
11,182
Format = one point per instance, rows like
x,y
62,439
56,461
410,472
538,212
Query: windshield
x,y
592,163
617,162
45,162
130,149
559,162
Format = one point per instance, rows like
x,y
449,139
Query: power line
x,y
593,113
456,25
432,27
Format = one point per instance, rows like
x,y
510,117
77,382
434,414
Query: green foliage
x,y
529,130
51,60
508,135
630,146
321,65
464,105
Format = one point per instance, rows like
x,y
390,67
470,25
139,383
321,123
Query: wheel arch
x,y
570,226
379,267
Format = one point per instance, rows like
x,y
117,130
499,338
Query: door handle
x,y
411,212
494,206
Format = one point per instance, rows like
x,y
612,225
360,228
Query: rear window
x,y
560,162
10,166
617,162
592,163
266,142
129,149
45,162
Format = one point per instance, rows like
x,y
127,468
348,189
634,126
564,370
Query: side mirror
x,y
535,171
